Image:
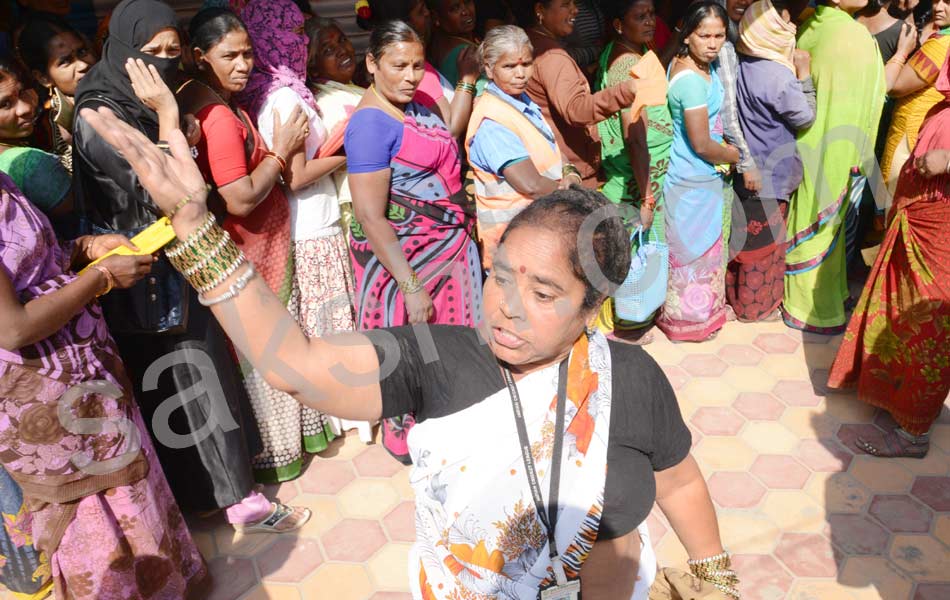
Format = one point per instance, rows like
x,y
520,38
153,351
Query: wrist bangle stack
x,y
208,257
466,87
411,285
110,279
569,169
281,161
717,570
239,284
649,202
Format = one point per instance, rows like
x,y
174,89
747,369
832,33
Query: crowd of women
x,y
450,178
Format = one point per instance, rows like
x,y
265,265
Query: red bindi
x,y
522,268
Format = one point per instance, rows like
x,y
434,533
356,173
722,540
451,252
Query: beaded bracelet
x,y
239,284
176,249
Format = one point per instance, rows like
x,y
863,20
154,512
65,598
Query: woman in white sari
x,y
534,462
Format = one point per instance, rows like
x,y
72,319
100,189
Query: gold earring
x,y
619,32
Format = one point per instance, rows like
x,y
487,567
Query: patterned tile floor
x,y
806,516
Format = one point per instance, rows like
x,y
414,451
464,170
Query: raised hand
x,y
167,177
149,86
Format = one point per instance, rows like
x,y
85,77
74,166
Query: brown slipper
x,y
894,446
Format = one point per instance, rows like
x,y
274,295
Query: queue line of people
x,y
290,148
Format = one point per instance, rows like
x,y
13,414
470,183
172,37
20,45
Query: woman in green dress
x,y
635,148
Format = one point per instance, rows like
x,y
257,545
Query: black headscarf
x,y
132,25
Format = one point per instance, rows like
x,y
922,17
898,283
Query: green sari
x,y
836,150
621,185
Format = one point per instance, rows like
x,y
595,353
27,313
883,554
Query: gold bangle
x,y
411,285
110,279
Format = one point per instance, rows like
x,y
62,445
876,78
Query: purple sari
x,y
72,438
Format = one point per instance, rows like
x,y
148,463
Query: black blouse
x,y
445,369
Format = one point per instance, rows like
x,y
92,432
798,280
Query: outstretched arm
x,y
337,375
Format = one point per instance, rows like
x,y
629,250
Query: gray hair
x,y
499,41
314,25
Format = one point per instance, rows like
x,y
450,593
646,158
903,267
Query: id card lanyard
x,y
564,589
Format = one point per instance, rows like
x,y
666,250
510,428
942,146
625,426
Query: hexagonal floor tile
x,y
901,513
881,475
823,455
345,447
736,354
273,591
780,472
367,498
932,591
707,392
231,576
749,379
758,406
797,392
921,557
794,511
775,343
704,365
724,454
746,532
326,476
677,376
933,491
717,420
324,514
942,529
401,523
401,484
376,461
809,423
820,589
353,540
769,437
339,581
846,408
807,555
735,489
761,577
289,560
857,534
877,573
838,492
391,596
390,566
850,433
785,367
231,542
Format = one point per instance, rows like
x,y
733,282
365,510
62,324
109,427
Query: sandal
x,y
895,446
272,522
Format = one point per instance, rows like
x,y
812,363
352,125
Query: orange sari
x,y
897,345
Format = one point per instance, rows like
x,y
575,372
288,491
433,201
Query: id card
x,y
569,591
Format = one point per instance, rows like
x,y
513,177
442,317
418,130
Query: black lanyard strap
x,y
549,517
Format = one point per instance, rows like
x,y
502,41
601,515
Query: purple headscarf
x,y
280,54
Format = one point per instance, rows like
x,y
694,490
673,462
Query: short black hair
x,y
385,10
605,252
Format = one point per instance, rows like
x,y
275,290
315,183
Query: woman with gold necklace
x,y
453,33
233,156
413,254
560,88
58,57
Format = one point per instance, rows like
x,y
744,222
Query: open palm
x,y
167,177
